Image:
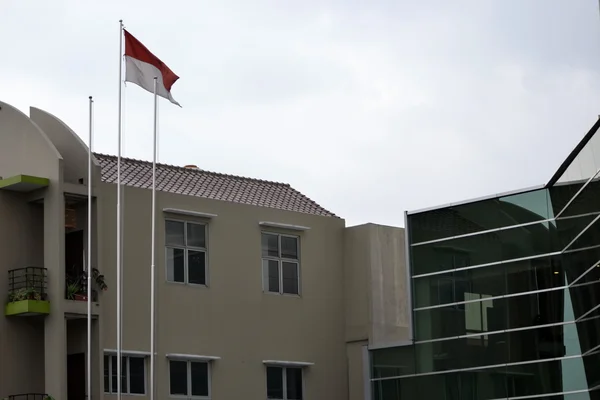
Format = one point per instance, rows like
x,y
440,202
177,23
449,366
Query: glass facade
x,y
505,296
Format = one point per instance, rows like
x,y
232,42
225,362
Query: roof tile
x,y
209,185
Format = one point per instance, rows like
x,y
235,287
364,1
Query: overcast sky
x,y
370,107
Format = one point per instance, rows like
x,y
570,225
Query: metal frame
x,y
125,356
189,361
280,261
185,249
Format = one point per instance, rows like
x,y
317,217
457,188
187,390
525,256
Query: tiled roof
x,y
209,185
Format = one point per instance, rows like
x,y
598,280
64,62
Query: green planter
x,y
25,308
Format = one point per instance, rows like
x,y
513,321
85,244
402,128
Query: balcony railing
x,y
30,396
29,283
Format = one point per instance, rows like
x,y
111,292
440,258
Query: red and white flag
x,y
141,66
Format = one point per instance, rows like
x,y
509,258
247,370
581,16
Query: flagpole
x,y
119,328
153,250
89,261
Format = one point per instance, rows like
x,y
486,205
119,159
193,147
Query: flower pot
x,y
80,297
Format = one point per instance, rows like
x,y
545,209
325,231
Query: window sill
x,y
297,296
126,394
193,285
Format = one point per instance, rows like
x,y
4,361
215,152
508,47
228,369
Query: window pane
x,y
274,383
290,278
136,375
174,233
270,245
113,373
199,379
175,265
294,383
106,375
124,374
289,247
196,267
196,235
178,377
271,275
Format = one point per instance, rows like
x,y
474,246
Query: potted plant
x,y
73,289
99,278
48,397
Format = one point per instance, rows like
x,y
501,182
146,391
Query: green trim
x,y
27,307
24,183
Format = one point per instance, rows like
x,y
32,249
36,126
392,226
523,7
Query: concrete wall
x,y
232,318
377,309
21,339
29,352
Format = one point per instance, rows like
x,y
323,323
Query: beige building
x,y
260,292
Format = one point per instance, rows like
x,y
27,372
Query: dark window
x,y
186,252
133,374
281,266
189,378
284,383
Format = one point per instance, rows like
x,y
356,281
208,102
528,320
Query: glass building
x,y
505,294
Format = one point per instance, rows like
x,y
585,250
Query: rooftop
x,y
209,185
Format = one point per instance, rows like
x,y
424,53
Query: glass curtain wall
x,y
506,297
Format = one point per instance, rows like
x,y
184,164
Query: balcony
x,y
30,396
76,286
27,292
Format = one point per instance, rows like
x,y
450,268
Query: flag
x,y
141,66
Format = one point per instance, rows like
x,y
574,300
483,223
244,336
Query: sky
x,y
370,108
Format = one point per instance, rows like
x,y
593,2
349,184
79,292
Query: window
x,y
284,383
133,374
186,252
280,260
189,378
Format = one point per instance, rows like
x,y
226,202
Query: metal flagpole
x,y
89,259
119,372
153,250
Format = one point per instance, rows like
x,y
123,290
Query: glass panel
x,y
289,247
590,236
136,375
584,203
527,310
113,375
290,278
106,375
174,233
175,265
479,216
274,383
393,361
497,280
270,245
271,275
585,164
493,247
294,383
196,235
178,377
124,374
199,378
197,267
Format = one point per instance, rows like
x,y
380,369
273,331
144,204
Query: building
x,y
505,294
260,292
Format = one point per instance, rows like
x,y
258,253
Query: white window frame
x,y
185,249
189,379
284,372
127,373
280,260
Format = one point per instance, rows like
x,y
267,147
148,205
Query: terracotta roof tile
x,y
209,185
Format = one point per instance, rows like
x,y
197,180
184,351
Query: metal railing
x,y
29,283
28,396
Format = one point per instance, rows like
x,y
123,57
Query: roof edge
x,y
569,160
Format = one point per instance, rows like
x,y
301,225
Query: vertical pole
x,y
119,372
89,258
153,250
